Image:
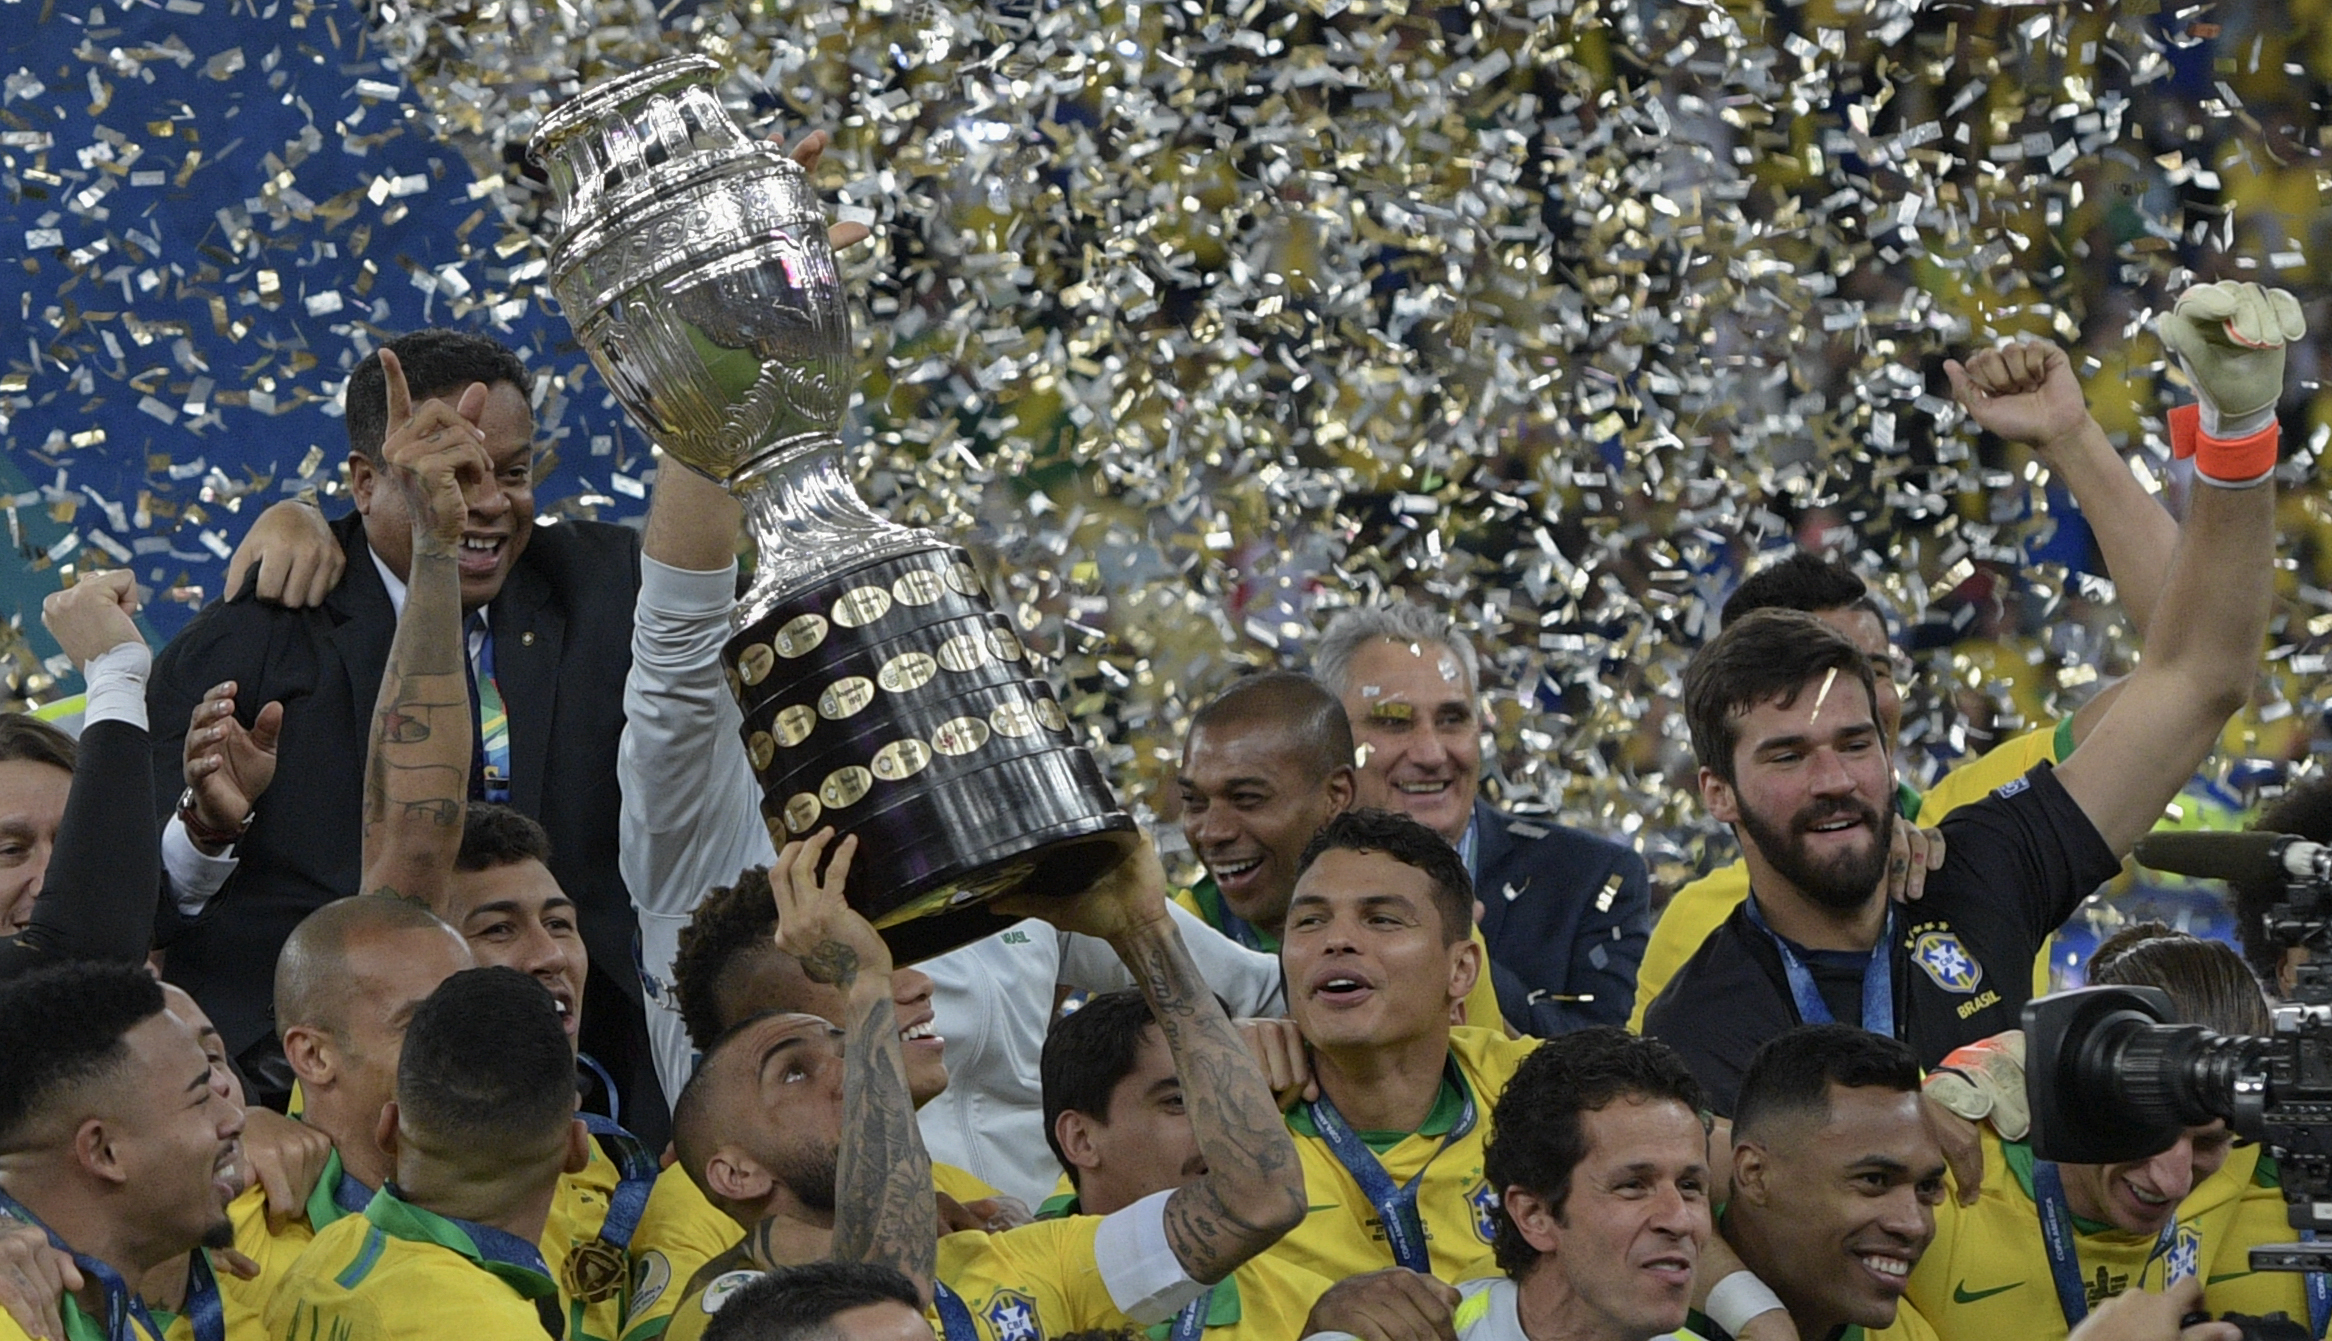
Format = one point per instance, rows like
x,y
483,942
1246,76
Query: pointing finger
x,y
400,399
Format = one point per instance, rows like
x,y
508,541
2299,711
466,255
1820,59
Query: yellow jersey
x,y
1341,1235
2232,1286
681,1230
1987,1276
1702,906
1204,902
399,1271
243,1303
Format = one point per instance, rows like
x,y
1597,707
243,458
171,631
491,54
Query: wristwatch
x,y
205,835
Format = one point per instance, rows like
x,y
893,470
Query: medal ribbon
x,y
1878,978
955,1319
2057,1237
126,1318
1396,1207
1190,1323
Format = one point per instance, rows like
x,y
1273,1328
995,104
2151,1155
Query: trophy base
x,y
891,701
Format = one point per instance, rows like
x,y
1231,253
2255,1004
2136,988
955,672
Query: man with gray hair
x,y
1565,913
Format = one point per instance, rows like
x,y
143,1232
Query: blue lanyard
x,y
1396,1207
1878,977
1191,1321
2318,1285
2056,1218
126,1318
204,1312
636,1173
955,1320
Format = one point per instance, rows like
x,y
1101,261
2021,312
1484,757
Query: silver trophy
x,y
883,693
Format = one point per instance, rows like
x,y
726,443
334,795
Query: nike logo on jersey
x,y
1961,1294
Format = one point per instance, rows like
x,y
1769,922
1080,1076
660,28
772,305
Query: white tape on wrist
x,y
1737,1299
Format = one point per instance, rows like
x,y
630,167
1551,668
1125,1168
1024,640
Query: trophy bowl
x,y
882,691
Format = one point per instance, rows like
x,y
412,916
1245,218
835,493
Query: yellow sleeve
x,y
1481,1004
244,1302
342,1317
1043,1276
10,1331
1988,772
679,1231
1697,910
960,1184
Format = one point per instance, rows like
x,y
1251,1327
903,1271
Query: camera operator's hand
x,y
2140,1315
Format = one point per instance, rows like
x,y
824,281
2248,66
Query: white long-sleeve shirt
x,y
691,820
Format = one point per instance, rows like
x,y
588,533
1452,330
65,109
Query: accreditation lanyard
x,y
2318,1286
1396,1207
2056,1219
955,1319
126,1318
1190,1323
1878,977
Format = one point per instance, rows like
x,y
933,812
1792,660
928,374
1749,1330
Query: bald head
x,y
313,974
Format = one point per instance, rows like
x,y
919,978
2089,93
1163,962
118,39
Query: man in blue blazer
x,y
1565,913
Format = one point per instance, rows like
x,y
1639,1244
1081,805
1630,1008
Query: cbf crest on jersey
x,y
1484,1200
1939,952
1012,1317
2185,1256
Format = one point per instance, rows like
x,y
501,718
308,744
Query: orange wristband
x,y
2232,460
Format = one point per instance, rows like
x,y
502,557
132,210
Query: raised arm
x,y
2202,653
96,898
417,769
883,1209
2026,392
1253,1190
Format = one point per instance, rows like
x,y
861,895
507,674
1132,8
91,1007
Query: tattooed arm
x,y
1253,1189
417,768
883,1206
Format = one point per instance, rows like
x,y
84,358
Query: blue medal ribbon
x,y
636,1173
126,1317
1878,977
955,1319
204,1311
1396,1207
1190,1323
2057,1237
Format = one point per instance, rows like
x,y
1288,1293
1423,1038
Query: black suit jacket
x,y
562,630
1565,914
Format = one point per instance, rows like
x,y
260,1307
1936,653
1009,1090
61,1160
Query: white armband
x,y
1737,1299
1138,1266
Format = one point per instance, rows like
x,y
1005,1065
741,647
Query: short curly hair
x,y
732,922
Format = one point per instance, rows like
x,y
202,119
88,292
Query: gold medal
x,y
861,606
906,671
846,698
959,737
964,652
921,587
901,759
800,636
754,662
845,786
595,1271
794,724
801,812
